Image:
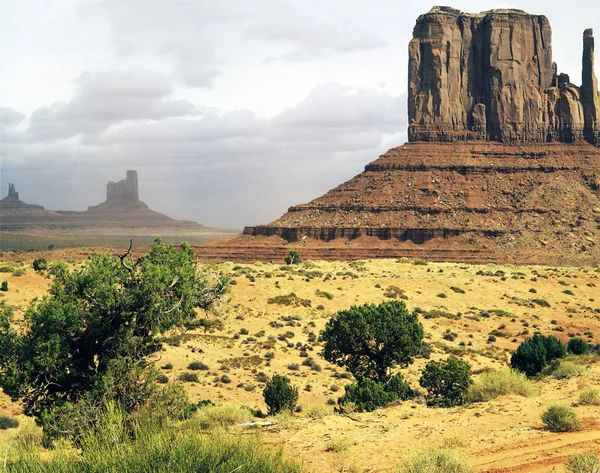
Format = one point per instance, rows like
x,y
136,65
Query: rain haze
x,y
230,111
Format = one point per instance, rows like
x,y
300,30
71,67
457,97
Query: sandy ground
x,y
503,435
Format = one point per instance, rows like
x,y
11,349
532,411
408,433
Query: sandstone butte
x,y
122,210
502,163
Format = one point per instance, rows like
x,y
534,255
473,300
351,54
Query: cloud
x,y
219,168
10,117
108,98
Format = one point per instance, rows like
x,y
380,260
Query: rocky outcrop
x,y
12,202
490,76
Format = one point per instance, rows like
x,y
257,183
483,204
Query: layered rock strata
x,y
490,77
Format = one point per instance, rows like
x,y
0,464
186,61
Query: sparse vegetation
x,y
290,300
583,463
560,418
437,460
501,383
590,397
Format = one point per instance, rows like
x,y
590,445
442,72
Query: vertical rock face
x,y
490,76
125,190
590,96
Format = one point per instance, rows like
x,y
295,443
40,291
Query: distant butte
x,y
502,163
122,210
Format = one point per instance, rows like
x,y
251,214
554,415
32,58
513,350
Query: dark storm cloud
x,y
103,99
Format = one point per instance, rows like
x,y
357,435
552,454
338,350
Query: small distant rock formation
x,y
12,202
124,190
122,211
122,194
490,77
502,163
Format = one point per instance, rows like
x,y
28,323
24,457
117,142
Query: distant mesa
x,y
12,201
502,163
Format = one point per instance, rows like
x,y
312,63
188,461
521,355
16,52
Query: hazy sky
x,y
230,110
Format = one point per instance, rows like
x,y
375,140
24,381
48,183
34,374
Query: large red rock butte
x,y
502,164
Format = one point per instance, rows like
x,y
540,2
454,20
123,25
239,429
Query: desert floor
x,y
469,302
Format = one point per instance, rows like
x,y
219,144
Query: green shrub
x,y
368,395
280,395
420,262
536,352
583,463
437,460
291,300
590,397
561,418
447,382
369,340
578,346
162,379
293,257
4,286
198,366
500,383
8,423
40,264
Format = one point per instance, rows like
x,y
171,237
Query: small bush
x,y
420,262
4,286
316,411
188,377
221,416
437,460
290,300
197,366
560,418
368,395
590,397
578,346
293,257
500,383
447,382
280,395
40,264
535,353
583,463
162,379
8,423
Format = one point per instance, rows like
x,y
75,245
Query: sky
x,y
231,111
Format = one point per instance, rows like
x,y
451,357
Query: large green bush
x,y
536,352
89,340
447,382
578,346
368,395
583,463
280,395
370,340
293,257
